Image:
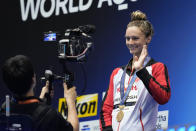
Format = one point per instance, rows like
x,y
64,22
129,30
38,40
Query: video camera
x,y
74,44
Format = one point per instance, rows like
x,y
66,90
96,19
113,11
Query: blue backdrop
x,y
173,43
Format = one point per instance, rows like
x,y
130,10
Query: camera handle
x,y
68,79
47,95
68,75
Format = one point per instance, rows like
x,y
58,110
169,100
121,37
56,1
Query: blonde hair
x,y
139,20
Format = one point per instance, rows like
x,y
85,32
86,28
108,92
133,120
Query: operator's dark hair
x,y
17,73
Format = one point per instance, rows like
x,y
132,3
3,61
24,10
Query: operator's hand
x,y
45,90
138,62
70,94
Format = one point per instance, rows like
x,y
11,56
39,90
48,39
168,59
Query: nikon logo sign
x,y
56,7
86,105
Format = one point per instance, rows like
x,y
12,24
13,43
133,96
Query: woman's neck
x,y
137,54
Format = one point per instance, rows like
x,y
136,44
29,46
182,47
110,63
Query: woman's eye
x,y
131,37
135,38
127,38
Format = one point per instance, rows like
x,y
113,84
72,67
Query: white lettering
x,y
83,7
123,7
118,1
120,5
34,6
62,5
51,10
101,1
25,11
72,9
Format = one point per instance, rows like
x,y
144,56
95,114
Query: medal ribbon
x,y
122,95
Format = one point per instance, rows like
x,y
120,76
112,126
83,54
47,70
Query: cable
x,y
85,78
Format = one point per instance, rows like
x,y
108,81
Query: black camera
x,y
74,44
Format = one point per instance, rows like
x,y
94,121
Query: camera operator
x,y
19,77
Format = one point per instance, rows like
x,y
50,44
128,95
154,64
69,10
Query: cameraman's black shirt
x,y
44,117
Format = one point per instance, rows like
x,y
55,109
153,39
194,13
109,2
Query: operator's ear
x,y
34,80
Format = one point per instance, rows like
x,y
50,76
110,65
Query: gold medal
x,y
120,114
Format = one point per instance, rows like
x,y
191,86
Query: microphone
x,y
50,76
87,29
80,30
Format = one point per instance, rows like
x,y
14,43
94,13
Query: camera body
x,y
74,44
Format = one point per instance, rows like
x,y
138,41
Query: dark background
x,y
174,44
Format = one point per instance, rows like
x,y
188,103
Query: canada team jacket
x,y
151,88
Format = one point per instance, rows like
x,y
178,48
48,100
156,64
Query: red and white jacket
x,y
151,88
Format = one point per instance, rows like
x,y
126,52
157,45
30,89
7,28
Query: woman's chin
x,y
133,52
